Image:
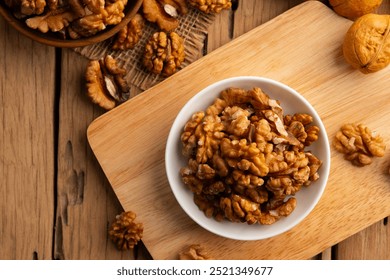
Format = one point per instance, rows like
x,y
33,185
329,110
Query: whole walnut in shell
x,y
367,43
353,9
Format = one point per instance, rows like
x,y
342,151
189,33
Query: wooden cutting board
x,y
301,48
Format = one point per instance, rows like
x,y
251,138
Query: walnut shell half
x,y
367,43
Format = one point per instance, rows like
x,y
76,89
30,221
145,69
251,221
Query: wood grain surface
x,y
26,153
300,48
55,200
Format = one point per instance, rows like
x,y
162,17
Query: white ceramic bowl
x,y
292,102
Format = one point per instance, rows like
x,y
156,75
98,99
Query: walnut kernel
x,y
69,18
125,232
246,159
164,12
211,6
130,35
164,53
194,252
358,144
106,85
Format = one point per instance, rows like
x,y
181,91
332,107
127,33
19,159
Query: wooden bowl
x,y
54,40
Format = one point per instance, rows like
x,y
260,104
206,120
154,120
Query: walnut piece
x,y
358,144
366,45
32,7
113,12
130,35
164,53
246,159
125,232
54,20
164,12
211,6
194,252
95,6
106,85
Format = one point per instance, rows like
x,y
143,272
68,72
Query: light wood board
x,y
301,48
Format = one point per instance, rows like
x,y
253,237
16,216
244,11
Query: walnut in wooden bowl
x,y
69,23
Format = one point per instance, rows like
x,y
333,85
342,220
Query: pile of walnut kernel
x,y
164,51
246,159
72,19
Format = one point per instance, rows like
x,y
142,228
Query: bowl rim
x,y
325,168
131,9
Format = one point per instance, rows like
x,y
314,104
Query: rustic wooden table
x,y
55,201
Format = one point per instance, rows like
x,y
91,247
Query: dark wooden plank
x,y
27,94
86,202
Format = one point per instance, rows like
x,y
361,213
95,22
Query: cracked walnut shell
x,y
366,45
164,53
125,232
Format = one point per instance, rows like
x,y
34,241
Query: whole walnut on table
x,y
353,9
366,45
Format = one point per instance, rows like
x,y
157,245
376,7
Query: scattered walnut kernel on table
x,y
246,159
194,252
125,232
106,85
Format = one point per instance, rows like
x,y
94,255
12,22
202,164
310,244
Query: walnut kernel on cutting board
x,y
358,144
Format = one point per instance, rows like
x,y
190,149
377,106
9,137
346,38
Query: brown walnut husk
x,y
366,45
353,9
